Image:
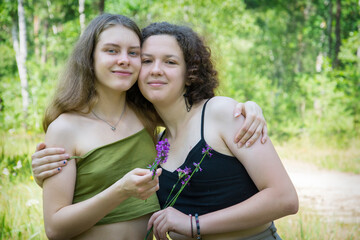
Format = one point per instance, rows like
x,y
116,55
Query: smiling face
x,y
117,59
162,75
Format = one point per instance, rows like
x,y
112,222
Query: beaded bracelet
x,y
192,234
197,226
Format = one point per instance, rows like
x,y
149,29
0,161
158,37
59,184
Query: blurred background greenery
x,y
299,60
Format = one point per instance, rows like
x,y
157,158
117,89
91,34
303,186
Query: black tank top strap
x,y
202,119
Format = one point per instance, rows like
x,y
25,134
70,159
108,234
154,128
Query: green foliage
x,y
15,167
20,202
265,51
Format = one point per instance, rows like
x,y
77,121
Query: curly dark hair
x,y
201,76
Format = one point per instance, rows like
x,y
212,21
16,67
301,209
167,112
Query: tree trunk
x,y
51,15
44,44
101,6
337,34
329,28
21,54
82,14
36,35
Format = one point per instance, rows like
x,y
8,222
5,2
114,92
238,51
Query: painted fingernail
x,y
58,169
236,114
64,162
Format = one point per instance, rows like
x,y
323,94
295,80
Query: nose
x,y
123,60
156,70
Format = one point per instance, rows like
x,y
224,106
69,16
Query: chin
x,y
154,99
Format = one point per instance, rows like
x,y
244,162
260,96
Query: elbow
x,y
292,207
53,234
291,204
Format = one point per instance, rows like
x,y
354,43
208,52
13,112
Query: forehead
x,y
118,34
160,44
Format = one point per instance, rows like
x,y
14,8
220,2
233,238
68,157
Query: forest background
x,y
298,59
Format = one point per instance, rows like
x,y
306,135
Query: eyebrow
x,y
116,45
168,56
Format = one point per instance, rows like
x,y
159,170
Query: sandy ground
x,y
330,193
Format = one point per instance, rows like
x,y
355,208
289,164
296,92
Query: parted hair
x,y
76,90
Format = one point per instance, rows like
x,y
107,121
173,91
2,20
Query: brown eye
x,y
145,61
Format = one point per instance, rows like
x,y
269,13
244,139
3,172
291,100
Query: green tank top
x,y
103,166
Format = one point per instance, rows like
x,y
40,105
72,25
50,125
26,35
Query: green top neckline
x,y
106,145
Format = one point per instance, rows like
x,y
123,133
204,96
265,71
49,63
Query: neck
x,y
175,116
110,104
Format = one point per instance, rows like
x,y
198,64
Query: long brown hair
x,y
76,90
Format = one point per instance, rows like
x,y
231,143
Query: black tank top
x,y
223,182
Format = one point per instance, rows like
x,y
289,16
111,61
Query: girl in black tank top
x,y
211,189
240,190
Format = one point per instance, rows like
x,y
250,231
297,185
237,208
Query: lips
x,y
156,83
121,72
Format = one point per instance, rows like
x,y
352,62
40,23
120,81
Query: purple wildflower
x,y
162,148
186,180
186,172
184,175
183,172
197,166
207,150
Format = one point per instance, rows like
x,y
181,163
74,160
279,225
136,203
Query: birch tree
x,y
82,14
19,44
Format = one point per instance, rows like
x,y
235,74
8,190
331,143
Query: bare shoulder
x,y
62,131
221,109
65,123
221,125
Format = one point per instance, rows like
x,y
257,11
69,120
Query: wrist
x,y
120,190
192,223
197,222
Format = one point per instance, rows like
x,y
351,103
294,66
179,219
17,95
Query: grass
x,y
21,210
324,154
307,225
21,204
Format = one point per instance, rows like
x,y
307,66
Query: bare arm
x,y
276,197
65,220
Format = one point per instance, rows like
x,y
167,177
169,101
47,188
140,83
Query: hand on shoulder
x,y
220,109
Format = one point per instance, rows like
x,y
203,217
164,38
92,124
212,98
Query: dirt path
x,y
330,193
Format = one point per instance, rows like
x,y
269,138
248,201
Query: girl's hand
x,y
169,220
138,183
254,126
47,162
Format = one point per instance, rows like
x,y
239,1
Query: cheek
x,y
143,72
137,63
